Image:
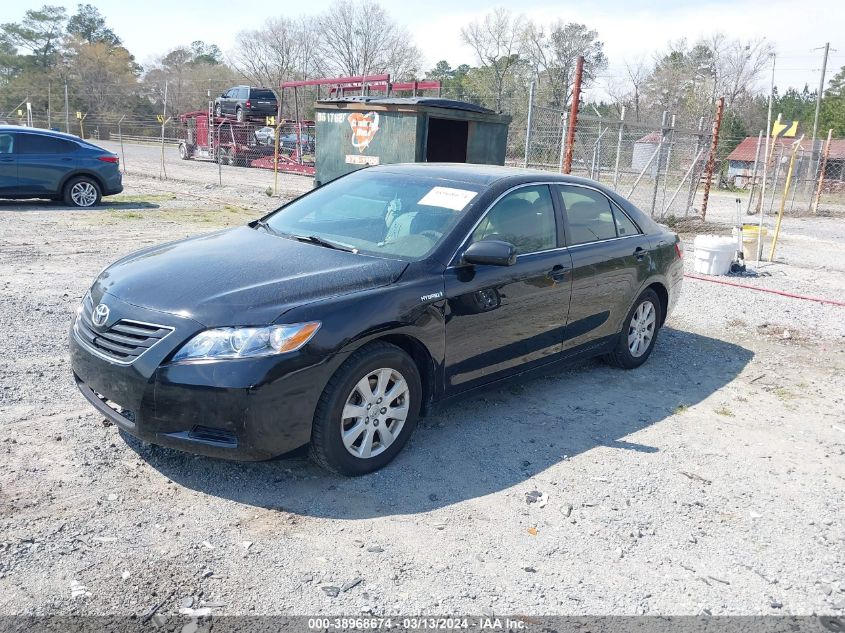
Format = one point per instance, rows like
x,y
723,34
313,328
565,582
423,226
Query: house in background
x,y
643,150
741,160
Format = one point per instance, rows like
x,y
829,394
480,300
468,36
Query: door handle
x,y
559,272
639,253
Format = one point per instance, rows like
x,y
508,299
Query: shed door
x,y
447,141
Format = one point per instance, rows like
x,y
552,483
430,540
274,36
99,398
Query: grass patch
x,y
680,409
153,197
124,215
783,394
725,411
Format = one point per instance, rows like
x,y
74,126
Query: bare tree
x,y
266,56
554,55
497,41
358,37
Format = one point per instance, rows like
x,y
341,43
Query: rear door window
x,y
40,144
7,143
589,215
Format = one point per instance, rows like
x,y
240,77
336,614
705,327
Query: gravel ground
x,y
711,480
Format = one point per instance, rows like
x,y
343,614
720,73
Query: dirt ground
x,y
709,481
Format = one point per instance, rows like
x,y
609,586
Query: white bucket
x,y
714,254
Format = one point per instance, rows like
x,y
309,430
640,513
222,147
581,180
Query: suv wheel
x,y
239,114
367,411
639,333
82,192
218,111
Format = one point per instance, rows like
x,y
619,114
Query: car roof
x,y
480,174
38,130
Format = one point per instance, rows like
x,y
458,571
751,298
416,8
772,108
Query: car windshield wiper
x,y
321,241
264,225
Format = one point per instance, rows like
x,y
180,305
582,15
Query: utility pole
x,y
49,104
67,113
819,97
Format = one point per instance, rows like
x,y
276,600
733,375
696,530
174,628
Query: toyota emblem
x,y
101,315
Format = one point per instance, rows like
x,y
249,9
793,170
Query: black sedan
x,y
341,317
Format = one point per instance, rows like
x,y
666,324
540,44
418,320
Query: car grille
x,y
124,341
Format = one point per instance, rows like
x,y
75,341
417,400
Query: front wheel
x,y
367,411
183,151
82,192
239,114
639,332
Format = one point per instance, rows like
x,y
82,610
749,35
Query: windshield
x,y
378,213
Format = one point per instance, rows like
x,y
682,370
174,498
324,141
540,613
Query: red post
x,y
573,117
711,160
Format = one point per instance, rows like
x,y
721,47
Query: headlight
x,y
247,342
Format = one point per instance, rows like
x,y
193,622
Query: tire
x,y
639,332
183,151
380,362
218,111
82,192
239,114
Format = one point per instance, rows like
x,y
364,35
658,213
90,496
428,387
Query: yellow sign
x,y
78,114
160,118
20,112
270,120
784,130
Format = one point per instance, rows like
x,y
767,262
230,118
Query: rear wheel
x,y
367,411
239,114
82,192
218,111
639,332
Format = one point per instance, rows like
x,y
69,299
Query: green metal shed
x,y
359,131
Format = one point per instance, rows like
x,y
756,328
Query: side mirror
x,y
490,253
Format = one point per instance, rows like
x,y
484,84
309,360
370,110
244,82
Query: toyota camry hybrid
x,y
342,316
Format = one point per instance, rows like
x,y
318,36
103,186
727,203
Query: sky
x,y
629,30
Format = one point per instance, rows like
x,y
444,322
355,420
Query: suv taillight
x,y
109,159
248,104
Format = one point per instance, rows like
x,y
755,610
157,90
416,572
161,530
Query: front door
x,y
501,319
8,163
610,259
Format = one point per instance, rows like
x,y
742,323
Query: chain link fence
x,y
661,167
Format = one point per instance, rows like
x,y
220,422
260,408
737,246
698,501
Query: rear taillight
x,y
109,159
248,104
678,252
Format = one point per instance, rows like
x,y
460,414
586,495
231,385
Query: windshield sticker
x,y
448,198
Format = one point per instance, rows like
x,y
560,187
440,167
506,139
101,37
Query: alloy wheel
x,y
83,194
641,328
375,412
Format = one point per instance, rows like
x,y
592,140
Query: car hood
x,y
240,276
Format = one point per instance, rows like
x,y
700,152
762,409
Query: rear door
x,y
610,260
8,163
43,162
502,319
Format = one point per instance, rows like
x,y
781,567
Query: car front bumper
x,y
246,409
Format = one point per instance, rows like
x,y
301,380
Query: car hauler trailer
x,y
236,143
